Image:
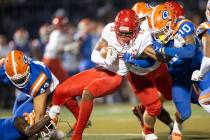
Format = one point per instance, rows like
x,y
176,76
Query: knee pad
x,y
154,109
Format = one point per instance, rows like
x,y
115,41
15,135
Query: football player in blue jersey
x,y
21,125
174,37
31,77
203,75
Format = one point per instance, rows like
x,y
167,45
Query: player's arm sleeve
x,y
28,130
144,63
187,51
150,51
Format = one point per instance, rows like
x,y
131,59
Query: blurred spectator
x,y
71,54
86,45
21,41
97,31
7,94
38,45
55,47
4,48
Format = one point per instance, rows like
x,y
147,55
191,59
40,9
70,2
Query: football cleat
x,y
151,137
176,136
70,132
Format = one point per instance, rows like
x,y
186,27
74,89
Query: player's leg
x,y
204,99
20,99
8,131
145,89
181,96
204,88
138,111
164,85
163,117
98,88
66,92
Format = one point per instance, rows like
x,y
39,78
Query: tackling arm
x,y
187,51
28,130
40,106
149,51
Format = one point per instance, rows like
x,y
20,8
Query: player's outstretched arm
x,y
40,106
149,51
186,51
28,130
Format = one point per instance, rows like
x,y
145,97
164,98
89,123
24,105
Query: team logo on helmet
x,y
26,60
165,14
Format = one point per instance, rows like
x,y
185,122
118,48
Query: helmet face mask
x,y
20,81
126,26
125,36
49,129
164,35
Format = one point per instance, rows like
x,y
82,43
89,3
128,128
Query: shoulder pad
x,y
185,28
202,28
107,29
108,34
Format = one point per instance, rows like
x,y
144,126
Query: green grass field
x,y
116,122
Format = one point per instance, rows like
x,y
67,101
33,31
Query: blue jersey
x,y
40,78
183,67
8,131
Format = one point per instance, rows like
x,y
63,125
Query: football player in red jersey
x,y
118,38
143,10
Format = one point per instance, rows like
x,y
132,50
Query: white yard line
x,y
135,134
